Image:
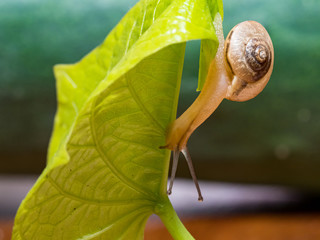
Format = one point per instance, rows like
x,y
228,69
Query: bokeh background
x,y
273,139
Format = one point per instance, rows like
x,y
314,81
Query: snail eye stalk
x,y
175,160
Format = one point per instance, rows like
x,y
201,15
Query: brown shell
x,y
249,54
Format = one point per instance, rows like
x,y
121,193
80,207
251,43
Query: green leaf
x,y
106,174
208,47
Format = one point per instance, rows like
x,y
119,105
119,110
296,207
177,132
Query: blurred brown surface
x,y
254,227
5,230
251,227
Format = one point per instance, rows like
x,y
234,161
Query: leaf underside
x,y
105,173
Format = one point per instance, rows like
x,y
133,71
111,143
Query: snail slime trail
x,y
240,70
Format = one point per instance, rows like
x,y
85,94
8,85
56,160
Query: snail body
x,y
240,70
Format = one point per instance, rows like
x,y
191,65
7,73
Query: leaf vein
x,y
129,37
143,108
155,11
137,211
112,168
95,202
134,143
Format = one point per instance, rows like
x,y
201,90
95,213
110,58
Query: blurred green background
x,y
273,139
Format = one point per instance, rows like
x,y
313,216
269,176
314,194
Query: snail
x,y
240,70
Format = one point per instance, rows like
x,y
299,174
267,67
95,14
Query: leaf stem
x,y
172,222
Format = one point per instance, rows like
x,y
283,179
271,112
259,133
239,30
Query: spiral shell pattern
x,y
249,51
249,54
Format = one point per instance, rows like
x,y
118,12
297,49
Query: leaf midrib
x,y
96,202
113,169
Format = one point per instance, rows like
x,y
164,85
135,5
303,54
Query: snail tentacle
x,y
192,172
175,160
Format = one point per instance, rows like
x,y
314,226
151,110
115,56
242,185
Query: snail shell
x,y
249,57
